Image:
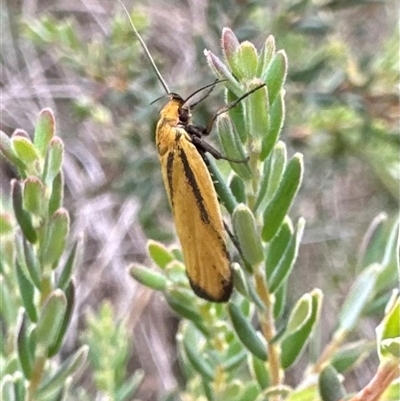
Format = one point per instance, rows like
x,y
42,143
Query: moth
x,y
191,193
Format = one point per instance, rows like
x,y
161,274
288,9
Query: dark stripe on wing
x,y
170,162
195,187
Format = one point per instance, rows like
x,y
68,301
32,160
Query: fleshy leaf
x,y
159,253
282,200
302,321
44,131
246,332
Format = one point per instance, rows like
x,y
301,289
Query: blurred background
x,y
81,59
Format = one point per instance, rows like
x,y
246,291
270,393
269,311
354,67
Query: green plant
x,y
37,289
36,303
109,368
242,350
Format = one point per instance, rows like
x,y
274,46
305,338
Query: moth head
x,y
183,109
184,114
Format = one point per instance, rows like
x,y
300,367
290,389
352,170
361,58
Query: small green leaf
x,y
7,150
44,131
267,52
278,246
246,60
239,280
302,321
223,191
22,216
184,304
257,114
376,305
54,159
246,232
6,224
300,314
369,238
34,196
19,386
176,273
222,72
230,46
306,393
7,392
50,319
32,264
250,392
390,263
127,389
391,346
147,277
24,149
358,297
388,332
71,263
280,300
351,355
235,359
275,74
201,365
246,333
253,295
27,291
70,295
11,365
237,187
232,390
281,271
66,369
159,253
259,372
232,146
330,387
208,390
273,169
236,114
276,119
8,309
25,354
56,238
57,193
281,202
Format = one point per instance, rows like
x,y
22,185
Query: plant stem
x,y
329,350
379,383
37,373
268,329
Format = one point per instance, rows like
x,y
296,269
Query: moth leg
x,y
235,242
232,236
194,130
203,147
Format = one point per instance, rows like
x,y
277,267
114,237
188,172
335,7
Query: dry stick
x,y
379,383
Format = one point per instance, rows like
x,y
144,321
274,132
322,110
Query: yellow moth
x,y
194,204
191,192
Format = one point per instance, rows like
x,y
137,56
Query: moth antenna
x,y
146,50
212,85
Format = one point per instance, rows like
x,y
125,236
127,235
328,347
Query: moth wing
x,y
198,221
